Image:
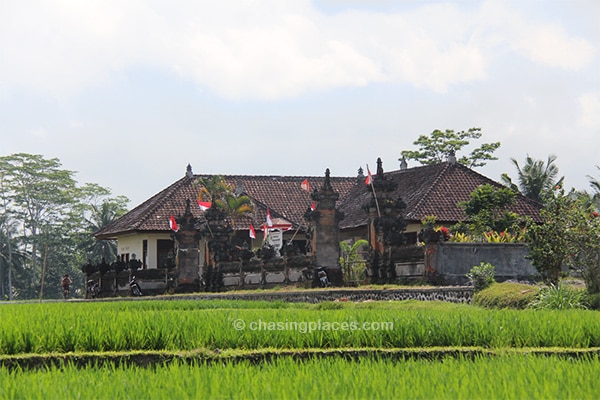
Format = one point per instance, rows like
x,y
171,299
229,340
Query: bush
x,y
592,301
506,295
559,297
481,276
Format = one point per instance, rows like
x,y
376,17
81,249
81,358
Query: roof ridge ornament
x,y
188,171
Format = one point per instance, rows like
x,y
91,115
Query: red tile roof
x,y
283,195
430,190
426,190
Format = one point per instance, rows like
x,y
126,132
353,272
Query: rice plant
x,y
520,377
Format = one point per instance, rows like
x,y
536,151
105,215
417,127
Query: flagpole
x,y
373,189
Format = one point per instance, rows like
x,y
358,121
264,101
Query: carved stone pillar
x,y
217,230
187,239
386,226
325,226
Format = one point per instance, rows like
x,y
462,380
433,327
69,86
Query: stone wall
x,y
449,294
455,260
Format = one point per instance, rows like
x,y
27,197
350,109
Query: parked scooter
x,y
135,287
93,289
323,279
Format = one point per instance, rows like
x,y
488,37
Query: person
x,y
66,283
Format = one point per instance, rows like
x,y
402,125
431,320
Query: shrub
x,y
481,276
506,295
593,301
559,297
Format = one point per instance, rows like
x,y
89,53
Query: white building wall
x,y
133,244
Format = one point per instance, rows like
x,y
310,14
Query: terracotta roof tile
x,y
431,190
282,194
426,190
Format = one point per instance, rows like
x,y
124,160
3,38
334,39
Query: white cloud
x,y
550,45
268,49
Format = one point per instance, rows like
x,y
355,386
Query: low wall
x,y
455,260
449,294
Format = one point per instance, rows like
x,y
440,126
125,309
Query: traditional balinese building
x,y
410,194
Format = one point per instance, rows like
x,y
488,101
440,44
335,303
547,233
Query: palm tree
x,y
595,184
352,262
223,195
536,178
108,211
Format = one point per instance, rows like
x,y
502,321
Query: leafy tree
x,y
550,242
44,221
352,262
487,210
440,145
568,236
584,237
40,193
536,179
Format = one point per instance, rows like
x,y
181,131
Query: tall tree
x,y
46,219
41,193
536,179
440,145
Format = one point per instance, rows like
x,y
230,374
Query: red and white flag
x,y
173,224
313,206
369,179
305,185
252,232
204,205
269,220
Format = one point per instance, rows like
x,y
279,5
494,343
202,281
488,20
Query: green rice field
x,y
249,349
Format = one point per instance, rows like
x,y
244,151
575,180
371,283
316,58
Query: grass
x,y
506,295
370,377
192,349
187,325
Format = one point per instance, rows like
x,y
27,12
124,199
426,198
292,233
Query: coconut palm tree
x,y
536,178
595,184
102,215
217,190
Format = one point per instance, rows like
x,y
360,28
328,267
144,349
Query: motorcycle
x,y
323,279
135,287
93,289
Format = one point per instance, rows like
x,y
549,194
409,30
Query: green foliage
x,y
506,295
47,219
559,297
592,301
439,145
194,324
508,376
568,236
487,210
353,264
536,179
223,195
482,275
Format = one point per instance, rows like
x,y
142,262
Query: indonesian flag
x,y
313,206
204,205
269,220
369,179
173,224
252,233
305,185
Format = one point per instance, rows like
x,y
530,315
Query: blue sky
x,y
128,92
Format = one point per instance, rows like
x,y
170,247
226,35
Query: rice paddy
x,y
226,348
